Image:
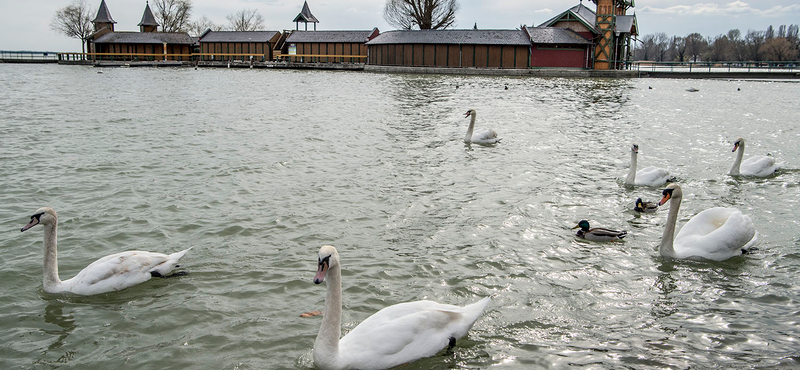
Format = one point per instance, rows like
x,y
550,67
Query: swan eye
x,y
36,216
667,193
325,261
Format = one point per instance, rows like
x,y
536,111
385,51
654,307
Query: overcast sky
x,y
25,24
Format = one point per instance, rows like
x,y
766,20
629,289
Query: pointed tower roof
x,y
305,15
147,18
103,16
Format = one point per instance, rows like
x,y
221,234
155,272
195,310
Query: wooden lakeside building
x,y
578,38
609,30
450,48
327,46
146,45
236,45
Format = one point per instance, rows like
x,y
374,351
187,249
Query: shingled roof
x,y
330,36
103,15
578,12
238,36
180,38
627,24
468,37
305,15
555,35
147,18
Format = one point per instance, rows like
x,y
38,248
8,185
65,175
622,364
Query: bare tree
x,y
196,28
679,45
770,33
695,45
647,49
246,20
662,45
719,48
74,21
173,15
736,46
778,49
421,14
752,44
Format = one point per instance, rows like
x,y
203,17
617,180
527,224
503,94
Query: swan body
x,y
714,234
481,136
108,274
645,207
757,165
393,336
648,176
598,234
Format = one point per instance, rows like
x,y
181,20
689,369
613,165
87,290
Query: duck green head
x,y
583,224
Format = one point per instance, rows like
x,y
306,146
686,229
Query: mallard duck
x,y
645,207
598,234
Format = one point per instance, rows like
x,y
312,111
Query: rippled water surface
x,y
256,169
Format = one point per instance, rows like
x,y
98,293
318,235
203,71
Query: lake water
x,y
256,169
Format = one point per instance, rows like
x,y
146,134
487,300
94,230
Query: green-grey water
x,y
256,169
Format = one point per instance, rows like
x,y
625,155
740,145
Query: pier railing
x,y
318,58
711,67
209,57
29,56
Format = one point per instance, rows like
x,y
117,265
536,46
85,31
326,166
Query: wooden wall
x,y
548,56
446,55
157,49
320,48
256,48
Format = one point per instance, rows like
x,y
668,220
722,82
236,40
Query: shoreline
x,y
360,67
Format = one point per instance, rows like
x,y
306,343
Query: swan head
x,y
328,257
44,216
583,224
635,148
736,144
672,191
470,112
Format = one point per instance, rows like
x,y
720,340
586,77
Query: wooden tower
x,y
103,20
306,17
148,23
611,43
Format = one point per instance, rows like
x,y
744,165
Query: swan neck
x,y
326,346
667,248
50,267
468,136
632,171
738,162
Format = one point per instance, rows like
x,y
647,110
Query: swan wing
x,y
717,234
652,176
759,165
485,137
406,332
121,270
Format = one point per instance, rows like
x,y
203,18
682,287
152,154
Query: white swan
x,y
714,234
392,336
481,136
757,165
108,274
648,176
